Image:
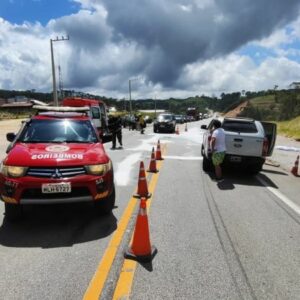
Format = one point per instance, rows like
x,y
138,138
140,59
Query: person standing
x,y
218,148
115,125
142,124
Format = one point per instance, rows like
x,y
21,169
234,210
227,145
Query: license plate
x,y
235,159
52,188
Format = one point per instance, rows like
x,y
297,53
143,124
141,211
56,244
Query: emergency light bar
x,y
42,108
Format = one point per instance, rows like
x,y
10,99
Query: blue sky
x,y
19,11
177,48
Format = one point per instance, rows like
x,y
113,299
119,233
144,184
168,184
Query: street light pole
x,y
130,104
55,99
155,105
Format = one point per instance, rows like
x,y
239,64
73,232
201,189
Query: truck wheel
x,y
13,212
206,164
106,205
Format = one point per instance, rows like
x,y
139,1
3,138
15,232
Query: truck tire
x,y
13,212
106,205
206,164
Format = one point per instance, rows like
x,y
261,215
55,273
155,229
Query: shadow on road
x,y
50,226
234,177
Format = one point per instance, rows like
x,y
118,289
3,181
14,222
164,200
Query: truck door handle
x,y
238,140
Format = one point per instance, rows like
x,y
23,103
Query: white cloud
x,y
181,48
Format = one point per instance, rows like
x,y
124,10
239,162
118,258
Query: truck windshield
x,y
165,118
239,126
57,131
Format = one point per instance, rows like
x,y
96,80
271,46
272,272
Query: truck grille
x,y
56,172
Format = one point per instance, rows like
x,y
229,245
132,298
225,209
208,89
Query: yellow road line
x,y
125,281
97,283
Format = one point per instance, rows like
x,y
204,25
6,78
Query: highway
x,y
235,239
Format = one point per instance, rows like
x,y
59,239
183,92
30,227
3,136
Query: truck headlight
x,y
99,169
13,171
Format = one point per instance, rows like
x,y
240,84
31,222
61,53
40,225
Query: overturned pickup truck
x,y
248,143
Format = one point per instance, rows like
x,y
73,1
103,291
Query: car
x,y
148,119
248,142
165,123
179,119
56,157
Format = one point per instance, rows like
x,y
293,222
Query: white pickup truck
x,y
248,142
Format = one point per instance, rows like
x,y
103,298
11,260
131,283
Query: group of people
x,y
115,126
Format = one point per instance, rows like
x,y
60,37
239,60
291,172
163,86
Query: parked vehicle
x,y
248,142
56,157
98,113
192,113
179,119
165,123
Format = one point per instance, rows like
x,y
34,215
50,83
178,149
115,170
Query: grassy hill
x,y
282,108
290,128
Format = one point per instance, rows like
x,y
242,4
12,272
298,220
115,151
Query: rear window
x,y
239,126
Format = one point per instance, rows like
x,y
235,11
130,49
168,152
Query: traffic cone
x,y
177,130
142,190
158,152
140,248
185,129
294,170
152,165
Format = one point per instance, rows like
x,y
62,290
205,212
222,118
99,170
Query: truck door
x,y
96,116
270,133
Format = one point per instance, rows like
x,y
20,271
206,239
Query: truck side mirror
x,y
203,127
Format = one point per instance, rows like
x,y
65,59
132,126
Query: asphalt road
x,y
238,239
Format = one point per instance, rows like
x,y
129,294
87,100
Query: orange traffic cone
x,y
152,165
186,129
177,130
141,249
294,170
158,152
142,191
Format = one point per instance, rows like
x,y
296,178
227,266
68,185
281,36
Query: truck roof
x,y
78,102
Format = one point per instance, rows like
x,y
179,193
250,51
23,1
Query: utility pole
x,y
60,82
53,67
129,84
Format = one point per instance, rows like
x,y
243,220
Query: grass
x,y
290,128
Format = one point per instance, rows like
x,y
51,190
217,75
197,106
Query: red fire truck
x,y
98,114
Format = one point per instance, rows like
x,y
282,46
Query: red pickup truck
x,y
56,157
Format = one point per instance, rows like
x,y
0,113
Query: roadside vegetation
x,y
290,128
282,106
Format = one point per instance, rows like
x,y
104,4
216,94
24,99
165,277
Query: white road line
x,y
124,168
184,157
282,197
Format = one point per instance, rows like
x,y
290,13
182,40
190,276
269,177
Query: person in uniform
x,y
115,126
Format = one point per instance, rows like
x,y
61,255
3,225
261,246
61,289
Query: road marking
x,y
282,197
184,157
96,285
124,284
